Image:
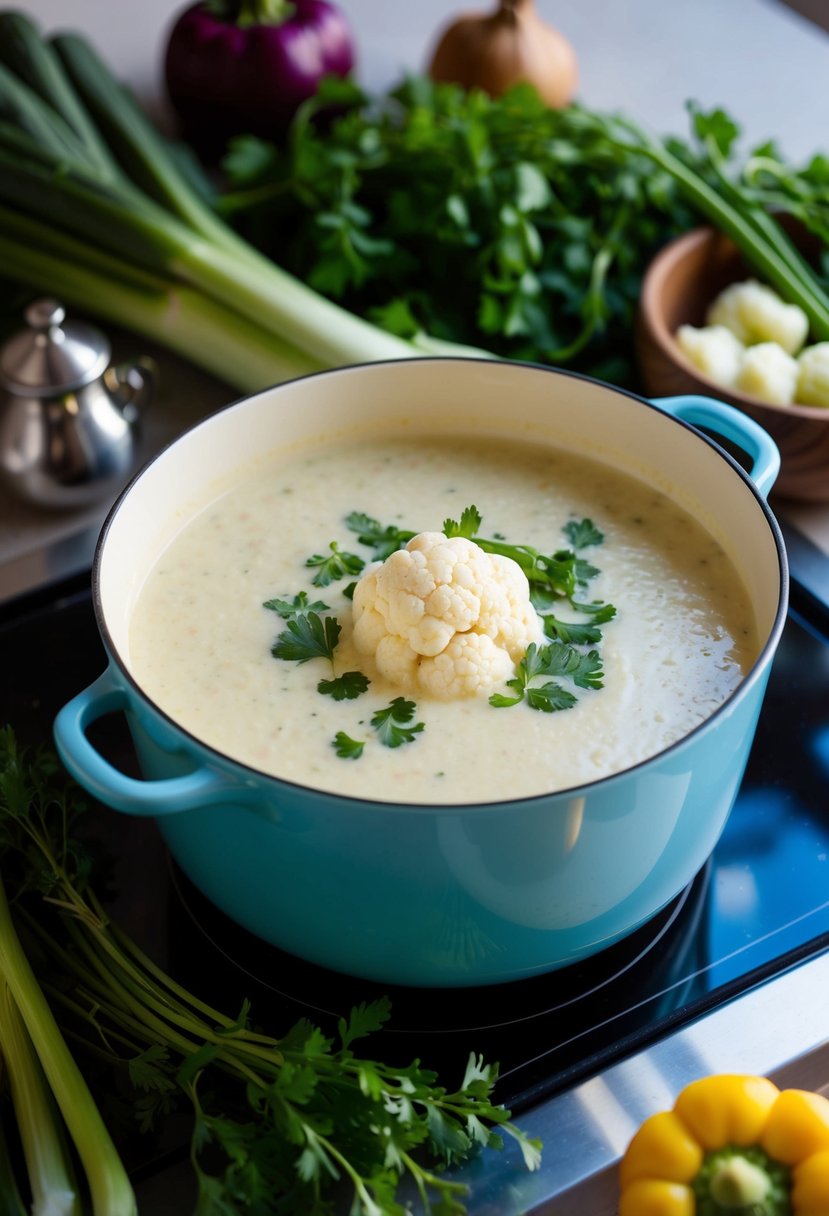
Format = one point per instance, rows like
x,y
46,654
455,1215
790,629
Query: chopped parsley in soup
x,y
441,620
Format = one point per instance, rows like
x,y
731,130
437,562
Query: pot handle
x,y
729,423
114,789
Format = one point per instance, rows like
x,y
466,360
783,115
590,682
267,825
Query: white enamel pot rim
x,y
444,367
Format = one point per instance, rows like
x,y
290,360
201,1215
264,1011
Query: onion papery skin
x,y
509,46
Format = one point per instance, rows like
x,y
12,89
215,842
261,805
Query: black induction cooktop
x,y
759,906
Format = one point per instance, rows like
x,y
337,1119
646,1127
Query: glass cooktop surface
x,y
760,905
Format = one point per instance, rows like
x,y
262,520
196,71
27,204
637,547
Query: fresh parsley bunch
x,y
498,223
503,224
282,1124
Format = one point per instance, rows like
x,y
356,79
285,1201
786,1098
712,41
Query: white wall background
x,y
761,60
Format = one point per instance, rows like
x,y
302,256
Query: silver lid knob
x,y
43,314
51,356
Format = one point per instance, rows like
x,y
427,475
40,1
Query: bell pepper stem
x,y
738,1184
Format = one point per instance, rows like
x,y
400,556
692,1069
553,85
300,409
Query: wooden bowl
x,y
678,286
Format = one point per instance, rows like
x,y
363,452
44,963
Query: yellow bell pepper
x,y
731,1145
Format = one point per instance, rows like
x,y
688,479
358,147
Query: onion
x,y
245,67
495,51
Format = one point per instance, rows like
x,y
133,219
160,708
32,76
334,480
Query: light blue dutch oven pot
x,y
438,895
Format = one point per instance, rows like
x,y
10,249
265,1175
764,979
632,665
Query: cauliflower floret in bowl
x,y
444,616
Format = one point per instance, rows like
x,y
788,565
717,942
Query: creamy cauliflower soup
x,y
291,626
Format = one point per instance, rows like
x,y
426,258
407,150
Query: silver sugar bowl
x,y
68,421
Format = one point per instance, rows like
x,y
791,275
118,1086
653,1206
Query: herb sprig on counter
x,y
281,1124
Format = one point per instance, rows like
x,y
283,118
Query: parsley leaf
x,y
600,612
553,659
347,687
363,1020
346,747
335,565
308,636
577,633
384,541
559,570
500,700
298,605
585,670
550,697
583,572
582,533
468,526
389,723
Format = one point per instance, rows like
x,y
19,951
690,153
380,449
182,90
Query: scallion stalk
x,y
109,1185
142,211
51,1177
34,61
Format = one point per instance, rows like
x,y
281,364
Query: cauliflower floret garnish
x,y
444,616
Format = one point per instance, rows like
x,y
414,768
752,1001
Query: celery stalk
x,y
109,1186
51,1177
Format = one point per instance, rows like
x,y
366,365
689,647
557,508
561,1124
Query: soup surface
x,y
201,639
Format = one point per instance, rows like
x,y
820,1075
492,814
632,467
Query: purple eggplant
x,y
245,66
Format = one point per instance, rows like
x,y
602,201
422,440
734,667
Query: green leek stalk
x,y
200,329
109,1186
51,1177
247,284
79,155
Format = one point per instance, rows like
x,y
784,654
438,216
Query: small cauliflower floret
x,y
470,664
713,350
769,373
725,311
445,616
813,376
755,313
